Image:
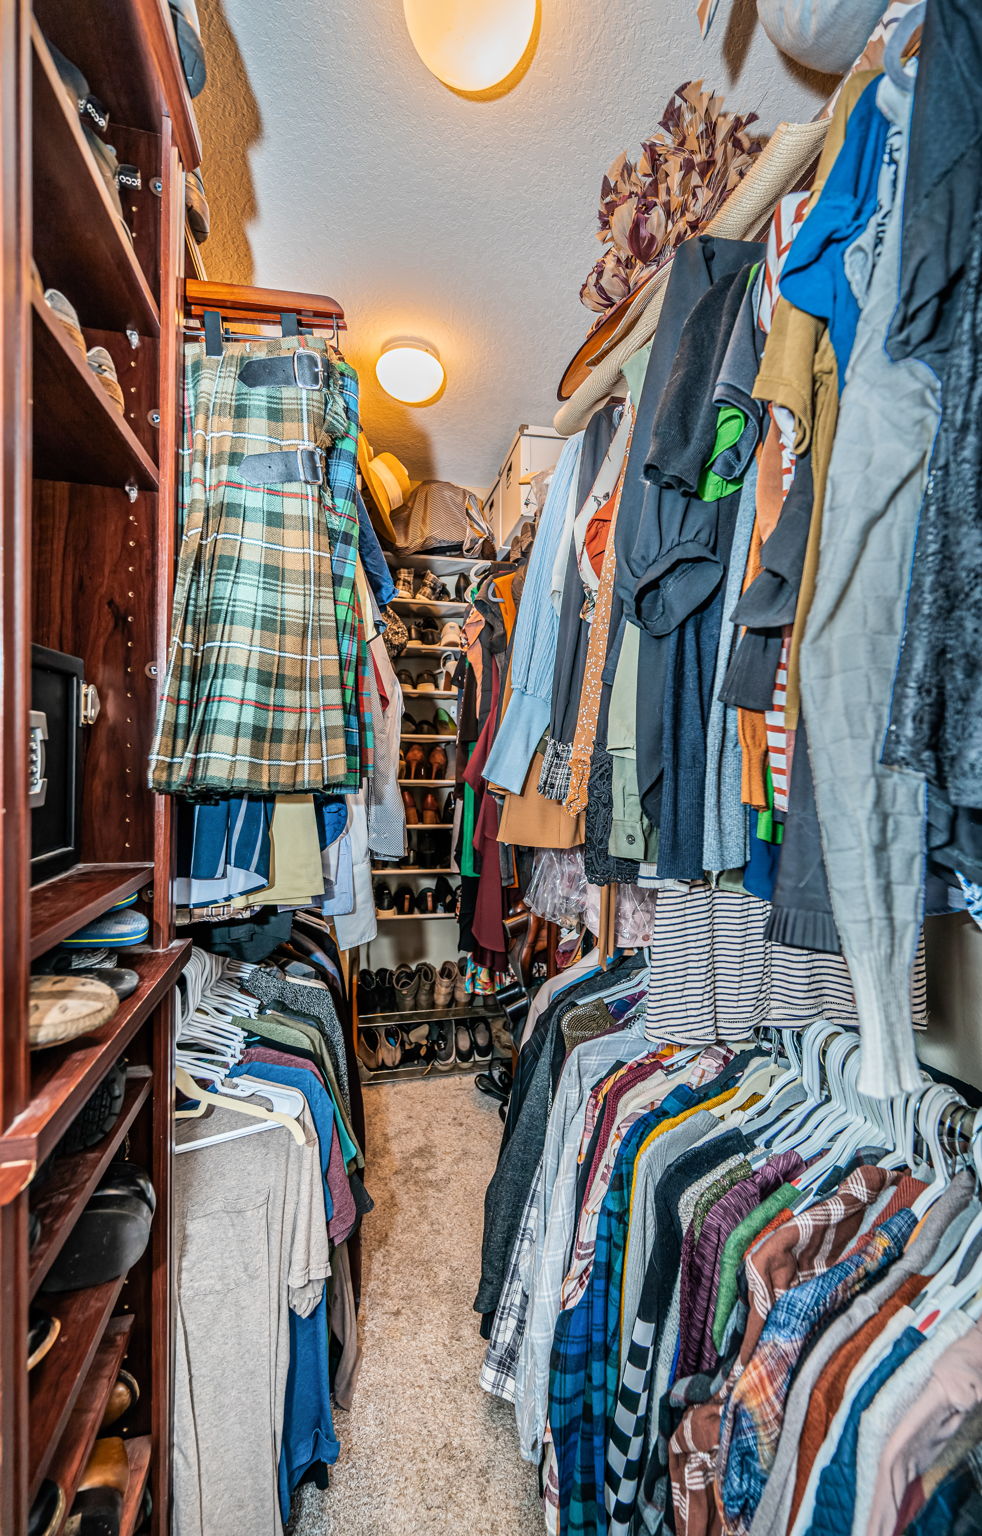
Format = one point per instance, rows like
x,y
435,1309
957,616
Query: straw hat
x,y
387,481
787,155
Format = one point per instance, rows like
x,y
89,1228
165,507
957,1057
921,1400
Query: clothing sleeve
x,y
310,1262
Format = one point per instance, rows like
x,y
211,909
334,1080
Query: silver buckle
x,y
318,366
310,465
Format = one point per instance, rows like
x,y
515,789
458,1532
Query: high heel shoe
x,y
404,900
438,763
411,808
403,771
431,809
415,760
426,899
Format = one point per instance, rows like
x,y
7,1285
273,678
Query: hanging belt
x,y
303,464
302,369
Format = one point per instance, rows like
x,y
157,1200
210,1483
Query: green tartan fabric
x,y
342,521
252,699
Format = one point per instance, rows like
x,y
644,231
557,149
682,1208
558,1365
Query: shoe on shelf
x,y
370,1047
124,1396
450,634
42,1330
461,996
411,808
425,728
429,636
406,984
483,1043
446,900
427,986
443,986
98,1504
405,677
187,30
64,962
409,726
426,682
415,762
445,1054
61,1008
426,899
196,206
401,770
48,1510
438,762
367,993
446,672
462,589
104,369
404,900
495,1082
392,1047
384,900
449,809
113,930
464,1043
431,809
431,852
385,991
65,312
432,589
444,722
404,582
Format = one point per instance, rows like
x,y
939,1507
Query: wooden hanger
x,y
240,306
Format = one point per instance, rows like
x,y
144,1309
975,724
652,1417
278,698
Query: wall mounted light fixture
x,y
471,45
410,371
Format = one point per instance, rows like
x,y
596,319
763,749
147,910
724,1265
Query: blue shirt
x,y
813,278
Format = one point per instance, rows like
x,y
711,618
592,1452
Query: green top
x,y
736,1246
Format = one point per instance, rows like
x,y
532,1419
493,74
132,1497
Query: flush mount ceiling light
x,y
410,371
471,45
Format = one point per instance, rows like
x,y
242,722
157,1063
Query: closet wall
x,y
86,549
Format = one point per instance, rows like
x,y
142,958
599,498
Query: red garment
x,y
598,532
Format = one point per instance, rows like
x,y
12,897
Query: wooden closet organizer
x,y
86,566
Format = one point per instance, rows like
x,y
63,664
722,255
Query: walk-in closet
x,y
490,854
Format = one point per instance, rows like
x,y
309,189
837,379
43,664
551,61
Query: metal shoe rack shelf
x,y
87,502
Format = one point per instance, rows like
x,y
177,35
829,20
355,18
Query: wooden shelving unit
x,y
87,541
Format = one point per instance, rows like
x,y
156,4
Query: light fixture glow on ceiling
x,y
410,371
471,45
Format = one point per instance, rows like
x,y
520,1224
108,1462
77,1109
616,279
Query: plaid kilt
x,y
252,700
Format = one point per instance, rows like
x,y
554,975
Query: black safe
x,y
58,709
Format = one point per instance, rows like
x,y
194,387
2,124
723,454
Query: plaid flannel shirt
x,y
501,1358
752,1418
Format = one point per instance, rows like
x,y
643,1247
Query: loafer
x,y
405,677
426,682
42,1330
62,1008
104,369
187,30
124,1395
48,1510
66,315
196,206
113,930
123,981
464,1043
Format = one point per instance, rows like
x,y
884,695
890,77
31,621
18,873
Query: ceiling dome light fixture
x,y
410,371
471,45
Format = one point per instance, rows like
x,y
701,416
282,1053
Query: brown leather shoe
x,y
438,763
124,1394
98,1504
431,809
415,762
412,810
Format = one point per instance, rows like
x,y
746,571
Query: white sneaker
x,y
450,634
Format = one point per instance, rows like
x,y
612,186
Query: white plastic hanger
x,y
287,1102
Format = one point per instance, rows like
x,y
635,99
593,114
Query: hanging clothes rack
x,y
237,305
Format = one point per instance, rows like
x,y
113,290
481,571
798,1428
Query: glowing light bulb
x,y
471,45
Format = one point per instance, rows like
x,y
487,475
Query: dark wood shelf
x,y
79,435
55,1384
63,1078
72,1455
63,1195
61,906
138,1453
137,72
97,269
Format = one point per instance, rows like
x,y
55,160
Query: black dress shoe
x,y
47,1511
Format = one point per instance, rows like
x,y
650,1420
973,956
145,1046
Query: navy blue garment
x,y
332,818
227,832
813,278
761,871
372,558
308,1428
835,1497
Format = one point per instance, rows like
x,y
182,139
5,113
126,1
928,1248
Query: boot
x,y
444,986
406,983
426,978
385,992
367,994
461,996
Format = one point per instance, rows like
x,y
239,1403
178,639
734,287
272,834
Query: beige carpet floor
x,y
424,1452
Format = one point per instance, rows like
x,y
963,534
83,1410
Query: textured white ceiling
x,y
335,163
